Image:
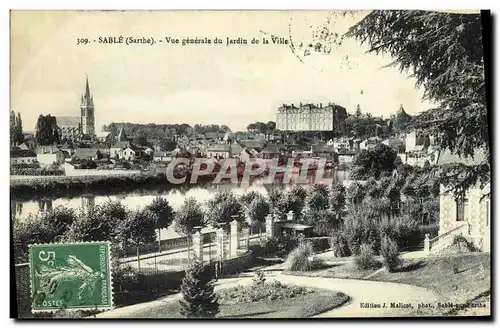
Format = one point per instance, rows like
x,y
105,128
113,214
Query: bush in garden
x,y
301,258
259,277
340,245
366,258
279,246
390,254
198,297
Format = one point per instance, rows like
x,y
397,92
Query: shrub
x,y
340,245
198,297
300,259
259,277
279,246
366,259
319,244
463,245
390,254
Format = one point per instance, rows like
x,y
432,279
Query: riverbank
x,y
96,185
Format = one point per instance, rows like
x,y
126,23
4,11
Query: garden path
x,y
360,291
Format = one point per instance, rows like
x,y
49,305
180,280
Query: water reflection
x,y
22,209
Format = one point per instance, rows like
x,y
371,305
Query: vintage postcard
x,y
250,164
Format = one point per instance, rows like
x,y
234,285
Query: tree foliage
x,y
16,129
444,53
257,211
47,132
97,223
198,297
138,228
222,207
189,215
374,163
162,211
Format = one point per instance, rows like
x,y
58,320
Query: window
x,y
461,203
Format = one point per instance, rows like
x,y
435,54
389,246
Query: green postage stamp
x,y
72,276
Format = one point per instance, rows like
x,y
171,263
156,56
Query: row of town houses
x,y
413,149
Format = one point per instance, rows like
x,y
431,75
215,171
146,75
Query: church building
x,y
87,112
75,127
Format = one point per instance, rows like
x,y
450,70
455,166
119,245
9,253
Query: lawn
x,y
457,279
302,306
341,270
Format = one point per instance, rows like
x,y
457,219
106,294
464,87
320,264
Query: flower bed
x,y
261,291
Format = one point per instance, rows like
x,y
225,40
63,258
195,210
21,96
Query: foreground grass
x,y
456,279
303,306
342,271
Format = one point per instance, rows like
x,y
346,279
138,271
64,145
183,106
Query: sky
x,y
196,84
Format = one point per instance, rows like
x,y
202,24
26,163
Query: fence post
x,y
198,246
427,246
234,237
270,225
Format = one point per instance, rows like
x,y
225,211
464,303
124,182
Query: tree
x,y
316,206
222,207
46,130
98,223
374,163
271,126
317,198
16,129
137,229
257,211
189,215
12,128
19,129
338,199
198,297
168,144
358,111
163,213
141,138
248,197
444,53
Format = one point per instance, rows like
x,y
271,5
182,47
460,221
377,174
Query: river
x,y
22,209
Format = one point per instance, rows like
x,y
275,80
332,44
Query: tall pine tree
x,y
198,297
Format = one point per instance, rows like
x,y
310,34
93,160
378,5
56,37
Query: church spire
x,y
87,88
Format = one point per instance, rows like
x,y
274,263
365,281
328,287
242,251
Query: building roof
x,y
322,148
85,152
159,154
121,144
68,121
134,149
271,149
23,146
219,147
16,153
47,150
102,134
252,143
236,148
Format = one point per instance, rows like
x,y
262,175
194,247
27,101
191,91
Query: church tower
x,y
87,112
